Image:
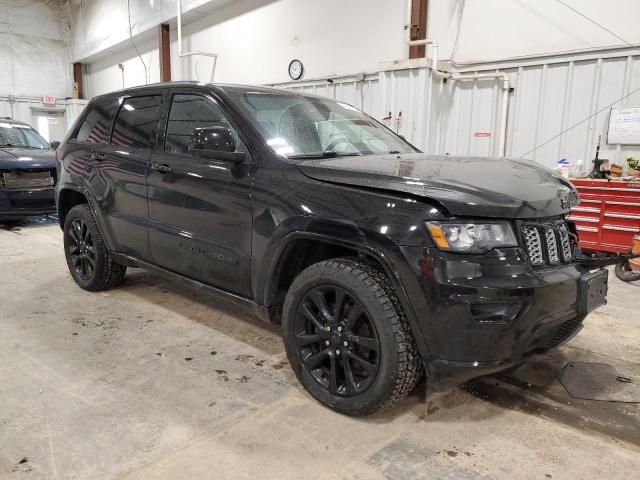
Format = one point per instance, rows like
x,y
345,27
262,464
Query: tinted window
x,y
187,114
96,125
136,122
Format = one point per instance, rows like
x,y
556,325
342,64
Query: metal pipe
x,y
413,43
196,52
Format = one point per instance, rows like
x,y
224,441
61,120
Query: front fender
x,y
370,244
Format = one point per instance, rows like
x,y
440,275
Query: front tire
x,y
89,261
347,338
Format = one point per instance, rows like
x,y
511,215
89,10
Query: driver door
x,y
200,206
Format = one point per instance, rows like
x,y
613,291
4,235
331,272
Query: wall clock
x,y
296,69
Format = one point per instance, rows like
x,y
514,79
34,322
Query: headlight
x,y
472,237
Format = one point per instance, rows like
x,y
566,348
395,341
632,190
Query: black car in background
x,y
381,263
27,171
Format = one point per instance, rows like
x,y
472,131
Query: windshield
x,y
17,135
301,127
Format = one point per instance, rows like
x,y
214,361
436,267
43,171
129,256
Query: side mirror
x,y
216,142
55,144
217,139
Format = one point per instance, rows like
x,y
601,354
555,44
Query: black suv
x,y
382,263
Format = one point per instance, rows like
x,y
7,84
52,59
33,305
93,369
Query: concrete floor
x,y
152,380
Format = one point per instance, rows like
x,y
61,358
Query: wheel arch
x,y
67,199
278,282
70,196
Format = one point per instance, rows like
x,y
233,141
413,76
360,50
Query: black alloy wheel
x,y
347,338
82,251
90,263
337,341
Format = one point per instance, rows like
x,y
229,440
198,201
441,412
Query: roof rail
x,y
6,118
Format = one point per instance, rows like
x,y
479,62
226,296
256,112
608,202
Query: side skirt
x,y
246,304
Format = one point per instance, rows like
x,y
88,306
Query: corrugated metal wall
x,y
463,117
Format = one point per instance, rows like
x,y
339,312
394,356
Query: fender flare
x,y
92,205
375,252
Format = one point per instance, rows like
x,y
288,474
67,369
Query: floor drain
x,y
598,381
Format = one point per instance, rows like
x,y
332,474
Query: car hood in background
x,y
465,186
15,158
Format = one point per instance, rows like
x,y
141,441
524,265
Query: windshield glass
x,y
17,135
300,127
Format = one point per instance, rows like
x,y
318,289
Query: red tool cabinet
x,y
608,215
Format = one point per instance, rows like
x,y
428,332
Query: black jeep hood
x,y
465,186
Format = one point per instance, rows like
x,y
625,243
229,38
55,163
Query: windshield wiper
x,y
325,154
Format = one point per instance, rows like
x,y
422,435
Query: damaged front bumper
x,y
480,314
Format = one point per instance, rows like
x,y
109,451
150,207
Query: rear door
x,y
200,218
121,169
85,145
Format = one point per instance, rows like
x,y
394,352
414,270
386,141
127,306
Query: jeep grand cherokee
x,y
381,263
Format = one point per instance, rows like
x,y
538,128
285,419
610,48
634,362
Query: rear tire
x,y
347,338
90,263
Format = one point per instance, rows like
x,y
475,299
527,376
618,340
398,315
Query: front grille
x,y
27,178
547,243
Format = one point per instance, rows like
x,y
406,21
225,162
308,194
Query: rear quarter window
x,y
96,125
136,122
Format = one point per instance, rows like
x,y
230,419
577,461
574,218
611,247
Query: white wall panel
x,y
495,30
254,39
34,55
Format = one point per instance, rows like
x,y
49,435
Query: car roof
x,y
12,121
224,87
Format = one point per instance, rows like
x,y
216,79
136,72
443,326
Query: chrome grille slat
x,y
533,244
552,245
547,243
565,243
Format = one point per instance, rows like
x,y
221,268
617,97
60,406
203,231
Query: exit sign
x,y
48,100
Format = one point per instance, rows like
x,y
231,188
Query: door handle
x,y
97,156
161,167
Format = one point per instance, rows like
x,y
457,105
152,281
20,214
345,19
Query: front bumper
x,y
480,314
24,203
